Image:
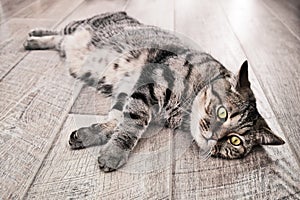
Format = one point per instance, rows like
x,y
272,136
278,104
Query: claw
x,y
107,169
101,163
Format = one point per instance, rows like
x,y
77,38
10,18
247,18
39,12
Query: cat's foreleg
x,y
136,117
99,134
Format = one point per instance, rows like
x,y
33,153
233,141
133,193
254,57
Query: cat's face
x,y
225,118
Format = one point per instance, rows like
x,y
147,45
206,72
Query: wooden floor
x,y
40,104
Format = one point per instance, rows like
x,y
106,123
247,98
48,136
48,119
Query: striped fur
x,y
151,72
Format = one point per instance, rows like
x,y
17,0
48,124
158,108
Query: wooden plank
x,y
158,12
94,7
10,7
274,56
90,101
46,9
68,174
30,115
267,173
34,100
287,12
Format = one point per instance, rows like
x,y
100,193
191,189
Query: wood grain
x,y
287,12
34,100
94,7
31,114
67,174
268,172
9,8
158,12
90,101
46,9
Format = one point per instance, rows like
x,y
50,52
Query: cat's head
x,y
224,115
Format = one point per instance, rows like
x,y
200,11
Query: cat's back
x,y
119,29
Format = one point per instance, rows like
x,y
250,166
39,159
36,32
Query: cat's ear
x,y
242,78
265,135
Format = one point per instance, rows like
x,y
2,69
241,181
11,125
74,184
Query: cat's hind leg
x,y
39,32
42,43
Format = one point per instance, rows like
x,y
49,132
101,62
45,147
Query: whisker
x,y
205,156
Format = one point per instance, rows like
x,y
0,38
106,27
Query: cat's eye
x,y
234,140
222,113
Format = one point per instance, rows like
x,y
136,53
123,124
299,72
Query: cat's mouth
x,y
205,151
207,142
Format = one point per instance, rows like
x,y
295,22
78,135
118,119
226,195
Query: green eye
x,y
222,113
234,140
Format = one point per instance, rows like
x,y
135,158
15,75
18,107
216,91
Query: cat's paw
x,y
105,89
112,157
31,43
96,134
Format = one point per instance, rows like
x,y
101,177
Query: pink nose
x,y
222,133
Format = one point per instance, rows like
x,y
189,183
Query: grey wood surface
x,y
67,174
8,8
36,95
287,12
33,107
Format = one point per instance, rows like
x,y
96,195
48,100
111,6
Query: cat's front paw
x,y
112,157
96,134
75,142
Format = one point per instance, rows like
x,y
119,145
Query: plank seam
x,y
53,141
66,16
12,16
22,58
282,22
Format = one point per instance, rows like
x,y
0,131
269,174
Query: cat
x,y
151,72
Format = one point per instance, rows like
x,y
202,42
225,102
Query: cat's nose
x,y
221,134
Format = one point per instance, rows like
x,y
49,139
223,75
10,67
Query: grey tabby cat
x,y
151,72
